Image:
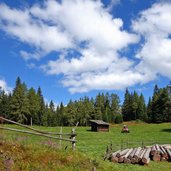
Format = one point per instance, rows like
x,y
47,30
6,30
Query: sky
x,y
76,48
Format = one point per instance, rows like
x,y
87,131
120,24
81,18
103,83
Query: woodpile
x,y
142,155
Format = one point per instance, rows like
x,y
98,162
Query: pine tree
x,y
149,110
115,107
41,105
141,110
33,105
126,108
19,105
4,104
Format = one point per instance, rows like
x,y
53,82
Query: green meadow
x,y
90,148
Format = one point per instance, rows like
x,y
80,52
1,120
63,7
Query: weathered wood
x,y
163,159
123,152
132,153
121,159
33,129
141,154
168,152
114,159
133,160
73,139
136,154
156,157
39,134
146,156
127,160
158,149
147,161
163,153
153,150
115,153
128,152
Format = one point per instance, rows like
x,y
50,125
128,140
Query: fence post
x,y
31,122
60,137
73,139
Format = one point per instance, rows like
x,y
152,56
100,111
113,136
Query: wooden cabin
x,y
99,126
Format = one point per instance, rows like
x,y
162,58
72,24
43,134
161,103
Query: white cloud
x,y
44,37
89,39
4,86
113,3
154,25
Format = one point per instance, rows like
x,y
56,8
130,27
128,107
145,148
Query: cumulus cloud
x,y
21,24
154,25
89,40
4,86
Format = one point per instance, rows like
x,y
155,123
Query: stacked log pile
x,y
142,155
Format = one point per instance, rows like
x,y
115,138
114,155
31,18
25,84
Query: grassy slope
x,y
93,145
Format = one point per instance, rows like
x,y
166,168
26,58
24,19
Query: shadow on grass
x,y
166,130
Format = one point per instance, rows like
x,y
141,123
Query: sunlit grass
x,y
92,145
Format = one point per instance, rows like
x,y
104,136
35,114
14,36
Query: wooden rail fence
x,y
52,135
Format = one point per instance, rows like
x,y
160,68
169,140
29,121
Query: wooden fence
x,y
141,143
52,135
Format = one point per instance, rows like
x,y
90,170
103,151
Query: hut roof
x,y
99,122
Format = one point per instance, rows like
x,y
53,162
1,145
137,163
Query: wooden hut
x,y
99,126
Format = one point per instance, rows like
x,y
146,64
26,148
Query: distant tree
x,y
115,106
126,107
149,110
19,104
141,109
5,104
34,107
41,105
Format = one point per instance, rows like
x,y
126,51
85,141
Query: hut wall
x,y
103,128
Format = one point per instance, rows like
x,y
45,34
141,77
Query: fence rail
x,y
72,135
127,144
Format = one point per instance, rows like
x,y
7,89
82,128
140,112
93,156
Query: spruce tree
x,y
19,104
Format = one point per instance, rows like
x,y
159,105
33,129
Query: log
x,y
132,153
115,153
133,160
123,152
153,150
158,149
168,152
156,157
121,159
141,155
146,155
126,159
114,159
147,162
163,152
163,159
128,153
136,154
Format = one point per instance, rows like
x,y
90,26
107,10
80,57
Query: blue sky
x,y
73,48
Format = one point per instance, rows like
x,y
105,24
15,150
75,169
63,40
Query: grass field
x,y
91,146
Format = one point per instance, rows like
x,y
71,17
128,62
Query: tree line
x,y
23,105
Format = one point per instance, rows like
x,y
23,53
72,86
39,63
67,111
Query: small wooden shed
x,y
99,126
